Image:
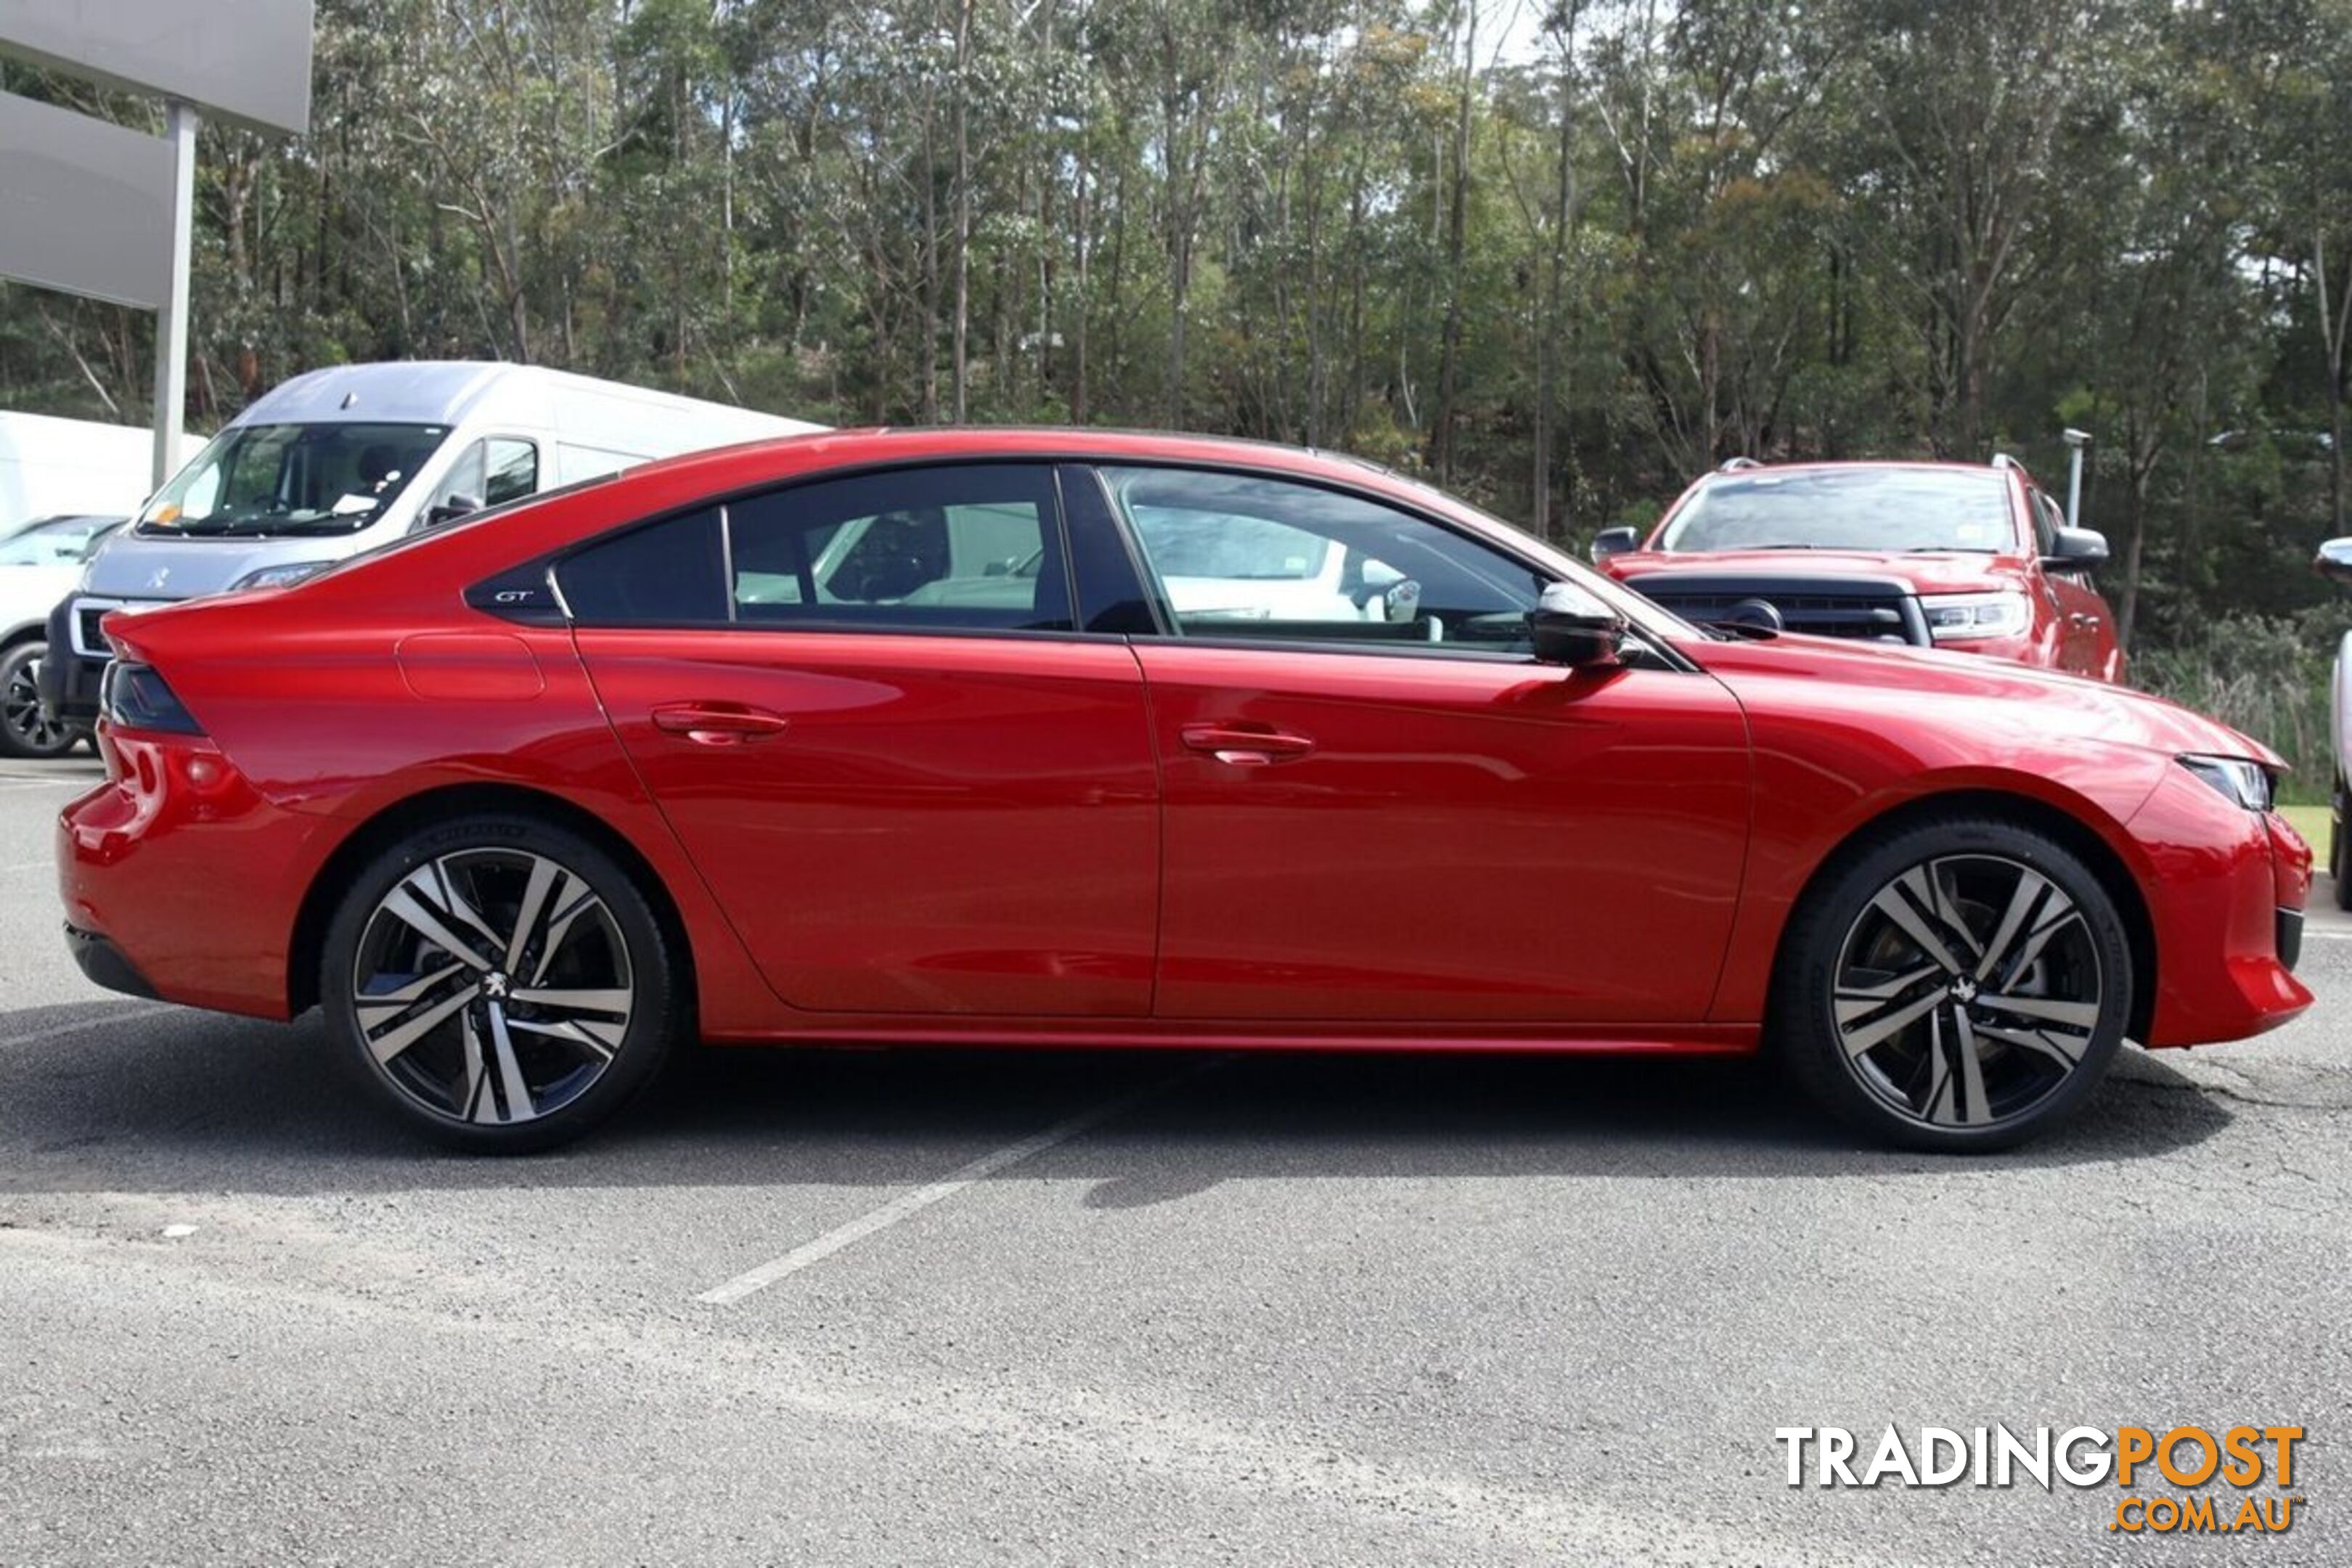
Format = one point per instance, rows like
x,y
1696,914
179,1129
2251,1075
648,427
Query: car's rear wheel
x,y
25,734
1958,985
501,984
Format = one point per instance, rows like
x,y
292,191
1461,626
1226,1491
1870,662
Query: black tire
x,y
452,1082
25,734
1848,952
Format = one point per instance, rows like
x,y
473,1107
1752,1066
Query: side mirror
x,y
1616,542
1571,628
452,507
2335,559
2080,548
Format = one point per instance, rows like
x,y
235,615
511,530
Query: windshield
x,y
256,479
64,542
1854,509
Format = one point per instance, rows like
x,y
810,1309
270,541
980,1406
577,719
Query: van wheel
x,y
500,985
1959,985
25,734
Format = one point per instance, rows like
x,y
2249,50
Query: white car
x,y
39,564
2335,559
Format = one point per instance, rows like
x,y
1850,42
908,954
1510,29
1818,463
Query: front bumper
x,y
2226,889
69,678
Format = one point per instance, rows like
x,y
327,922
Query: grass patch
x,y
2311,821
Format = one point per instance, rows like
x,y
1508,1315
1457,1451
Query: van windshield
x,y
262,479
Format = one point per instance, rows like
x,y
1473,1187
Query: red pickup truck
x,y
1960,555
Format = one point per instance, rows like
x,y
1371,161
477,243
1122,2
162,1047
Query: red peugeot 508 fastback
x,y
1064,738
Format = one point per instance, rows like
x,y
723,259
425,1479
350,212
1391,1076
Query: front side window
x,y
1242,555
492,472
1901,509
510,469
257,480
905,550
2047,521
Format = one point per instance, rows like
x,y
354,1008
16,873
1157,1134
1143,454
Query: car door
x,y
1378,807
908,797
2087,633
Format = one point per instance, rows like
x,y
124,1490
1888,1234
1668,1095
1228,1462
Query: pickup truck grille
x,y
1864,608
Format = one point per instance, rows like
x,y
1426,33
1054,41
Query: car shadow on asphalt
x,y
93,1099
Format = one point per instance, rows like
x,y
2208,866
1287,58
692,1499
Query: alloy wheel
x,y
492,986
1968,990
20,711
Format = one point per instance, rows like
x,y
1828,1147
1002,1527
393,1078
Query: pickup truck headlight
x,y
2244,782
284,576
1952,616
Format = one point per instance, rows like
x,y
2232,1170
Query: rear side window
x,y
976,547
670,573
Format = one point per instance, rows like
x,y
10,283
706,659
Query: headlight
x,y
1955,615
284,576
2243,781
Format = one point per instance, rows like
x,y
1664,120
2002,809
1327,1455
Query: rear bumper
x,y
180,882
101,962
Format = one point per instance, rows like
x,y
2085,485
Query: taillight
x,y
136,697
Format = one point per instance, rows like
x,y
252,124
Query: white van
x,y
74,468
342,460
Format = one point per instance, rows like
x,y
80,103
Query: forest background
x,y
1557,255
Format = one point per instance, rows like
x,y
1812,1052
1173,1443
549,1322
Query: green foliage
x,y
1562,270
2266,675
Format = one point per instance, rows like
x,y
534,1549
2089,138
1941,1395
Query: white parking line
x,y
2330,935
56,1030
948,1186
31,866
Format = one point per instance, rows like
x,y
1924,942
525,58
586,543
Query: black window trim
x,y
723,503
1057,462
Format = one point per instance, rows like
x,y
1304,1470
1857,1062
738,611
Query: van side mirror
x,y
2077,549
1568,627
1616,542
2335,559
452,507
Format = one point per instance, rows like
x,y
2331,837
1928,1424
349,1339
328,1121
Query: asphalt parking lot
x,y
922,1307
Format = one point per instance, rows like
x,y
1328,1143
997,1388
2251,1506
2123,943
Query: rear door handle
x,y
717,723
1246,745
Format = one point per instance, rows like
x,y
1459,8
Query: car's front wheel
x,y
1959,985
25,733
501,984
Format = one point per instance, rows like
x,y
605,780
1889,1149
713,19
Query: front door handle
x,y
717,723
1244,745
